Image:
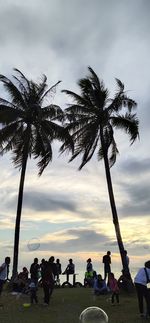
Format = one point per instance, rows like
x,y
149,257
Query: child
x,y
33,290
113,285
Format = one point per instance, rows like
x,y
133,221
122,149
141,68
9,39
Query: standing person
x,y
113,285
4,272
141,280
47,282
33,290
89,266
58,268
42,265
70,269
53,265
107,263
34,271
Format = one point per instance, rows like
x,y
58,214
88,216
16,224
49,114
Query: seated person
x,y
24,274
90,276
21,281
125,281
100,287
70,269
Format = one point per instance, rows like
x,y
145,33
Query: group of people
x,y
47,273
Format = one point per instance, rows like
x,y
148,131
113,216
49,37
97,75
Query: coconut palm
x,y
28,128
92,118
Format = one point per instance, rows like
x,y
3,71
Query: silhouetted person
x,y
4,271
34,271
125,281
42,265
53,266
141,280
107,263
47,282
114,288
89,266
58,268
70,269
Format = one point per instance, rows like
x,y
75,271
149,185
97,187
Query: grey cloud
x,y
83,240
136,166
138,200
40,201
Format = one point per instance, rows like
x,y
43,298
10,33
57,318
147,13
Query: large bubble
x,y
33,244
93,314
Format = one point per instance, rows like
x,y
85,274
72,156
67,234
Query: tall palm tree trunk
x,y
18,218
113,205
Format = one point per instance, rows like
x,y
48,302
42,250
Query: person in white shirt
x,y
4,270
141,280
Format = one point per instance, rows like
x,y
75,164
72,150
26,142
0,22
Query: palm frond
x,y
129,123
9,114
120,86
15,94
24,80
52,89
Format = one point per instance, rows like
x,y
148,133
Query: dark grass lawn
x,y
66,306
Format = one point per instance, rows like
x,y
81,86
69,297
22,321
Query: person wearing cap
x,y
70,269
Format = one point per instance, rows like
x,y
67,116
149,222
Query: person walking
x,y
33,292
48,282
113,286
107,263
141,280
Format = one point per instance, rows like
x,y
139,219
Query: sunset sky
x,y
67,210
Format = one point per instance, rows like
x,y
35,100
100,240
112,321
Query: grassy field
x,y
66,306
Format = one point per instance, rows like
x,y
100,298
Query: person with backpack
x,y
4,271
141,280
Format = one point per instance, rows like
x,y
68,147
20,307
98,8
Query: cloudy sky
x,y
66,210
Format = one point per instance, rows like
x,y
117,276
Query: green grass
x,y
66,306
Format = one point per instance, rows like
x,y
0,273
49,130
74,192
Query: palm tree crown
x,y
94,113
28,127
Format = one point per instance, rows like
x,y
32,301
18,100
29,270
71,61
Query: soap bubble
x,y
33,244
93,314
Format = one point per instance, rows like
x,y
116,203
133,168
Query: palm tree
x,y
92,119
28,128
